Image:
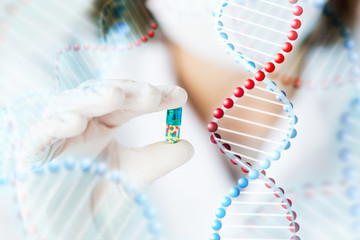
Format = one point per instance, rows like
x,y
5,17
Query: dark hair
x,y
335,13
345,10
111,10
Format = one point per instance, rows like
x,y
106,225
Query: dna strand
x,y
11,217
75,64
5,127
123,25
243,128
16,44
32,30
126,22
348,153
239,100
16,120
244,27
244,131
40,38
341,65
324,210
348,137
255,209
38,189
97,203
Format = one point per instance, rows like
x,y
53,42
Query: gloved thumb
x,y
154,161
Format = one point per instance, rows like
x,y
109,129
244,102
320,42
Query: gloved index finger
x,y
89,101
99,98
143,97
172,97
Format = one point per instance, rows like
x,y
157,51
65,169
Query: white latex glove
x,y
83,122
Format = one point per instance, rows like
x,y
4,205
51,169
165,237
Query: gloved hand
x,y
83,122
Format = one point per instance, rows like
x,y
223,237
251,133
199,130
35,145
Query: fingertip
x,y
167,157
180,93
184,148
173,97
154,161
71,125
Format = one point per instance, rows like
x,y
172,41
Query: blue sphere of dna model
x,y
348,137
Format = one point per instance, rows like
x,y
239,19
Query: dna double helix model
x,y
348,137
348,151
252,128
48,206
341,66
123,26
236,132
257,122
324,209
90,206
